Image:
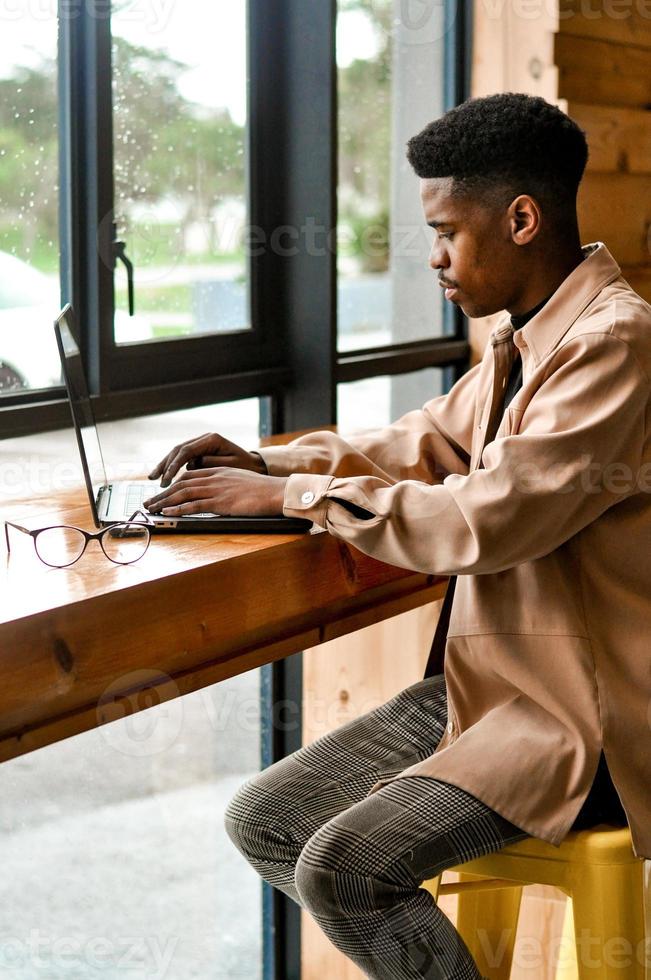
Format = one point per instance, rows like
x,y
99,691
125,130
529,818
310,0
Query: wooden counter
x,y
79,647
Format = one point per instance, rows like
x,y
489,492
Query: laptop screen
x,y
83,418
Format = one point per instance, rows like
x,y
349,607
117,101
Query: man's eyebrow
x,y
439,224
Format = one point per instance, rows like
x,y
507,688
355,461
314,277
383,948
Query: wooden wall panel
x,y
619,138
604,57
616,209
602,72
607,21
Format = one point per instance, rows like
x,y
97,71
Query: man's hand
x,y
221,490
207,451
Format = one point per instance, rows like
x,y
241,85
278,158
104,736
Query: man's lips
x,y
449,289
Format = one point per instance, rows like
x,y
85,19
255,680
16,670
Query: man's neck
x,y
518,320
545,285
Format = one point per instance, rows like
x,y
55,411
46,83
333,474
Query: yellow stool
x,y
596,868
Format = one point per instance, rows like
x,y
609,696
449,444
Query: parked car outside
x,y
29,303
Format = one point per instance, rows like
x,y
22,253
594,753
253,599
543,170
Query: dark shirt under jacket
x,y
602,804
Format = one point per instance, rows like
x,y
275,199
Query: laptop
x,y
117,501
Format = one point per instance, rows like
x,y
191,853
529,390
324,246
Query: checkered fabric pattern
x,y
356,862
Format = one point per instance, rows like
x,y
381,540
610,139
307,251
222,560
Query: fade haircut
x,y
500,146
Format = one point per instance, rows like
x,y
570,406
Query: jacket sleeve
x,y
426,444
578,452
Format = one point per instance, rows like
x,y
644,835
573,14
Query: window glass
x,y
115,857
29,200
375,402
38,465
115,838
390,85
179,118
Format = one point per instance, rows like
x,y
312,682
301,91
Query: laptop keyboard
x,y
135,497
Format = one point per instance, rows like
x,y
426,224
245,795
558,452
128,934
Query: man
x,y
529,481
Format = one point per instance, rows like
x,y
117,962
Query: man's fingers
x,y
204,452
187,481
209,462
165,463
179,495
159,469
193,507
180,456
199,474
174,465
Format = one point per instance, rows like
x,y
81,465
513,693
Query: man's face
x,y
472,252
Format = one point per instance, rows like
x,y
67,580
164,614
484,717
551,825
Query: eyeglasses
x,y
123,542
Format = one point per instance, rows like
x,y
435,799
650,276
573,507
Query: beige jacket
x,y
548,654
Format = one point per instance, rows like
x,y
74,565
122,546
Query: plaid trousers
x,y
355,863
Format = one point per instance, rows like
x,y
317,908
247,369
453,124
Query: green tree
x,y
28,162
165,146
365,139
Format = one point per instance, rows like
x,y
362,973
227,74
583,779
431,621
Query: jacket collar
x,y
544,331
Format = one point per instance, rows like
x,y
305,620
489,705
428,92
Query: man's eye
x,y
447,234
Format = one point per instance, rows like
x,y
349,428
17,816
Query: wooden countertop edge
x,y
167,688
66,670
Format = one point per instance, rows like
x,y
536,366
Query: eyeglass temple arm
x,y
147,522
142,514
18,527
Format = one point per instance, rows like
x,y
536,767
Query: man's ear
x,y
525,219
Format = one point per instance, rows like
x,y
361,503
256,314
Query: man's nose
x,y
438,257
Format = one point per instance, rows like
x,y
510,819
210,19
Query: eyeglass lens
x,y
60,546
125,543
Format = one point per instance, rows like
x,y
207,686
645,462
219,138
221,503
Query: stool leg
x,y
432,886
609,921
488,923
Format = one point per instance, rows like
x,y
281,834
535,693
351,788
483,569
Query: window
x,y
378,401
116,839
132,137
390,79
29,199
397,70
233,234
198,140
154,884
179,145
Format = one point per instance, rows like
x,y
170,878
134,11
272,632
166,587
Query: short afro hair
x,y
508,143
